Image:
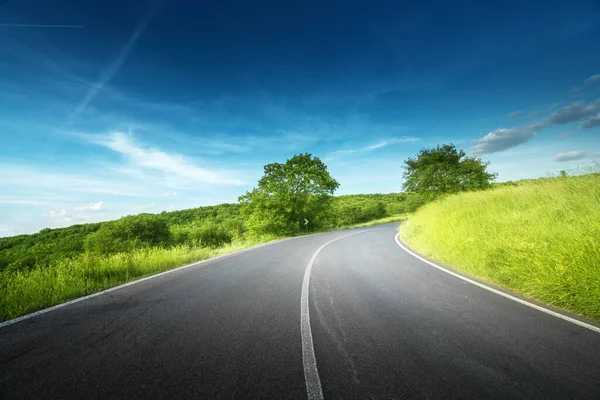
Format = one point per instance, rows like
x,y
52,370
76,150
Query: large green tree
x,y
445,170
288,193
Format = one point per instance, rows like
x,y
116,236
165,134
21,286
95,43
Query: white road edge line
x,y
311,374
77,300
498,292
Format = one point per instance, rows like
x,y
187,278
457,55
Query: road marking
x,y
498,292
311,374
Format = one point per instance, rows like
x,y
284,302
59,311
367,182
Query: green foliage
x,y
209,234
354,210
445,170
27,251
128,233
287,194
30,290
539,237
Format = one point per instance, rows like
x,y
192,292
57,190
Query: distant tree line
x,y
288,194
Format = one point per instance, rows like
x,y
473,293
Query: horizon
x,y
120,108
571,173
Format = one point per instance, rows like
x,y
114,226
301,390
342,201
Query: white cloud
x,y
505,138
91,207
590,122
173,165
571,156
56,214
170,194
592,79
573,112
388,142
515,115
375,146
63,217
18,178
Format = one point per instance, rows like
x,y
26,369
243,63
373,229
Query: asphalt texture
x,y
384,324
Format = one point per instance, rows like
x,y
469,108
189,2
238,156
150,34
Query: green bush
x,y
127,234
213,235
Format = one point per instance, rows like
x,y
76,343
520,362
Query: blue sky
x,y
143,106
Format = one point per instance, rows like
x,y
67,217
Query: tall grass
x,y
387,220
23,292
540,238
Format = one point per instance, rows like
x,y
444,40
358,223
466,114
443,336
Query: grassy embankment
x,y
539,237
38,288
387,220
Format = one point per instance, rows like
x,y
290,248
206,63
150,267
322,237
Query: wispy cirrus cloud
x,y
513,116
586,84
590,122
24,201
592,79
25,178
374,146
116,64
516,115
571,156
168,164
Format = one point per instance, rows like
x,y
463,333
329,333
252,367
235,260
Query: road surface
x,y
382,323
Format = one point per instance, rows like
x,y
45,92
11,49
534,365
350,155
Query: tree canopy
x,y
301,188
445,170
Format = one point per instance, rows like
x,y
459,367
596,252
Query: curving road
x,y
374,322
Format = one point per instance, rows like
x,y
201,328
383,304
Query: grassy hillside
x,y
538,237
56,265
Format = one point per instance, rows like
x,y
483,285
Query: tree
x,y
445,170
287,194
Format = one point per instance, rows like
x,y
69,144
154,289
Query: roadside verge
x,y
501,291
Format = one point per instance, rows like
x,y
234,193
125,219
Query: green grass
x,y
27,291
540,238
387,220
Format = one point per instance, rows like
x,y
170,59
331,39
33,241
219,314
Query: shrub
x,y
128,233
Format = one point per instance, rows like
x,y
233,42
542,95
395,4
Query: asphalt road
x,y
383,325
